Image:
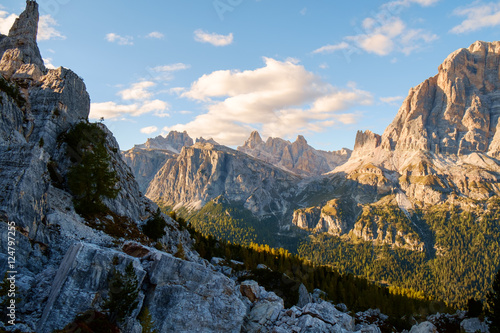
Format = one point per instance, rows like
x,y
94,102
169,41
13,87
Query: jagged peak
x,y
254,140
301,140
22,36
26,25
366,139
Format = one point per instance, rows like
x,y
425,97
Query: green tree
x,y
91,177
155,226
147,322
180,252
494,305
123,292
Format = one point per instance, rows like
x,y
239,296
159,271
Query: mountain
x,y
173,142
402,202
436,169
206,171
146,159
87,251
297,157
443,142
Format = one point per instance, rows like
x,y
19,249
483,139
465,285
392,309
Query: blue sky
x,y
323,69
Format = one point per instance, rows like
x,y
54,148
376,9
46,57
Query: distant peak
x,y
254,140
301,139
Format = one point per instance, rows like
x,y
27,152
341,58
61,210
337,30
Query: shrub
x,y
155,227
12,91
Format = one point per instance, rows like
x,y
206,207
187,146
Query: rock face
x,y
297,157
147,159
205,171
145,163
444,140
455,112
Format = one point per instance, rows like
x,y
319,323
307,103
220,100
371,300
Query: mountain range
x,y
439,153
415,209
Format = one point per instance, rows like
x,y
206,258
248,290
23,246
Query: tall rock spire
x,y
25,27
22,36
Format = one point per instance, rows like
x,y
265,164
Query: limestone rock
x,y
304,296
23,34
250,289
473,325
145,163
424,327
190,298
145,160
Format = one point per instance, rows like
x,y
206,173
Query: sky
x,y
220,69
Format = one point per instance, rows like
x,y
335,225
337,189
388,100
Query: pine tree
x,y
494,305
180,252
123,292
91,177
147,322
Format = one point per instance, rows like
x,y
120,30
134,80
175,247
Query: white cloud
x,y
171,68
478,17
303,11
149,130
48,63
213,38
280,99
121,40
47,29
331,48
394,100
6,21
385,33
410,40
380,36
138,91
155,35
423,3
112,110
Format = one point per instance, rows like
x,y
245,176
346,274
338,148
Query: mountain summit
x,y
297,157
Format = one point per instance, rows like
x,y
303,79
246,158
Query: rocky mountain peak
x,y
22,36
254,140
301,141
455,112
173,142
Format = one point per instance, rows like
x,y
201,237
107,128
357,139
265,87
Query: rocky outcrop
x,y
38,107
297,157
22,37
204,171
182,296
